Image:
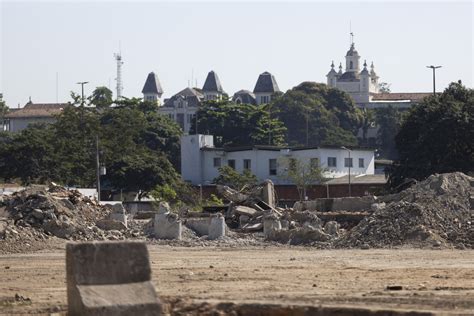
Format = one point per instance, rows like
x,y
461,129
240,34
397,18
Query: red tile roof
x,y
38,110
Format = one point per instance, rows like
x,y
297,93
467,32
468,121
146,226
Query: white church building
x,y
201,160
363,85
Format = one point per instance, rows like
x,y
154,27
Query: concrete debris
x,y
167,226
432,212
217,227
36,216
110,278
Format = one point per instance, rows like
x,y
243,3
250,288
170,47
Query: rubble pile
x,y
36,215
435,212
256,212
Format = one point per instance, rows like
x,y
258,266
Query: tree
x,y
436,136
368,121
302,173
389,121
3,111
28,155
230,177
101,97
315,114
136,145
239,124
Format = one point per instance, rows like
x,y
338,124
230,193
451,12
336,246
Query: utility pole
x,y
82,83
349,166
307,127
97,166
434,77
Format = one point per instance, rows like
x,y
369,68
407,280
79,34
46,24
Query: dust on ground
x,y
441,281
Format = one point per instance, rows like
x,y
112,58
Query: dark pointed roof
x,y
266,83
212,84
192,95
245,96
152,84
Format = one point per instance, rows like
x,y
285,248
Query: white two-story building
x,y
200,160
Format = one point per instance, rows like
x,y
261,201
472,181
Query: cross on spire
x,y
352,38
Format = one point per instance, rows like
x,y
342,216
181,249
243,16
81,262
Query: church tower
x,y
352,60
364,79
332,76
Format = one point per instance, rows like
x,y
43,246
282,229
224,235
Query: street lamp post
x,y
434,76
349,167
82,83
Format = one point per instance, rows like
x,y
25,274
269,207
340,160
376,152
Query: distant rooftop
x,y
212,83
152,84
400,96
38,110
266,83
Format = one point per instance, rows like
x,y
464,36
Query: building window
x,y
361,163
272,167
332,162
264,99
190,118
217,162
348,162
247,164
180,120
314,163
351,65
231,163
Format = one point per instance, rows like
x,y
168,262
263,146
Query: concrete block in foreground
x,y
110,278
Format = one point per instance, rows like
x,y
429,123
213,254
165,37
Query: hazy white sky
x,y
239,40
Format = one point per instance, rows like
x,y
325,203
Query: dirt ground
x,y
441,281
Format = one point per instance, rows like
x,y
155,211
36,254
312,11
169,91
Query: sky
x,y
47,47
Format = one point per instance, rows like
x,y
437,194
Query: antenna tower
x,y
118,58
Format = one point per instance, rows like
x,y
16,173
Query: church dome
x,y
352,51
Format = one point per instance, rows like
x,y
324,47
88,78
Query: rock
x,y
332,228
37,213
109,224
3,229
60,228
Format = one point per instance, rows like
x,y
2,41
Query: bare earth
x,y
440,281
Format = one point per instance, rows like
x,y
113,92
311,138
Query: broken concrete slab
x,y
337,204
167,226
245,210
217,227
271,224
110,224
110,278
268,193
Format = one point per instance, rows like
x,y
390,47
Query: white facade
x,y
17,124
200,160
152,97
183,115
263,97
359,84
